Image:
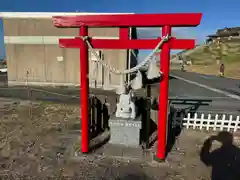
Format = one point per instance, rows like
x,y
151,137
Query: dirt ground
x,y
37,142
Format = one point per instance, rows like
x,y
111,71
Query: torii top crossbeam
x,y
129,20
124,21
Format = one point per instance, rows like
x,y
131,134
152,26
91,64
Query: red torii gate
x,y
124,21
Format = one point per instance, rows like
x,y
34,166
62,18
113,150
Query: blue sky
x,y
216,13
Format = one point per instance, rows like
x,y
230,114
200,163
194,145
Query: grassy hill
x,y
205,59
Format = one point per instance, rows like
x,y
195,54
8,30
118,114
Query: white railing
x,y
209,122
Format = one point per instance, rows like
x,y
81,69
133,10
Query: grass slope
x,y
206,60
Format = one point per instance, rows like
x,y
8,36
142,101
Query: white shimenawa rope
x,y
132,70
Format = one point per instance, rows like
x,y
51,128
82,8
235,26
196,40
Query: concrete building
x,y
34,57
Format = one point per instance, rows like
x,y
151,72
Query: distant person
x,y
225,161
182,63
182,67
222,69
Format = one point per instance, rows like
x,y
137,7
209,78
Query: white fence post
x,y
229,123
208,122
201,122
236,124
215,122
222,122
188,120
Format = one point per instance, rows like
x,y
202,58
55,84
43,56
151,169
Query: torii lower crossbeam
x,y
166,21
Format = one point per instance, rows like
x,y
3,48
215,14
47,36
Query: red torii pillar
x,y
124,21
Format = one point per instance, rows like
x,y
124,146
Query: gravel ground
x,y
37,141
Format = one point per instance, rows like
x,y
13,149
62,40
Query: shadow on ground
x,y
225,161
177,115
148,132
98,123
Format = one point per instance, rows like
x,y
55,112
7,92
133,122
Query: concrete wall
x,y
32,45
